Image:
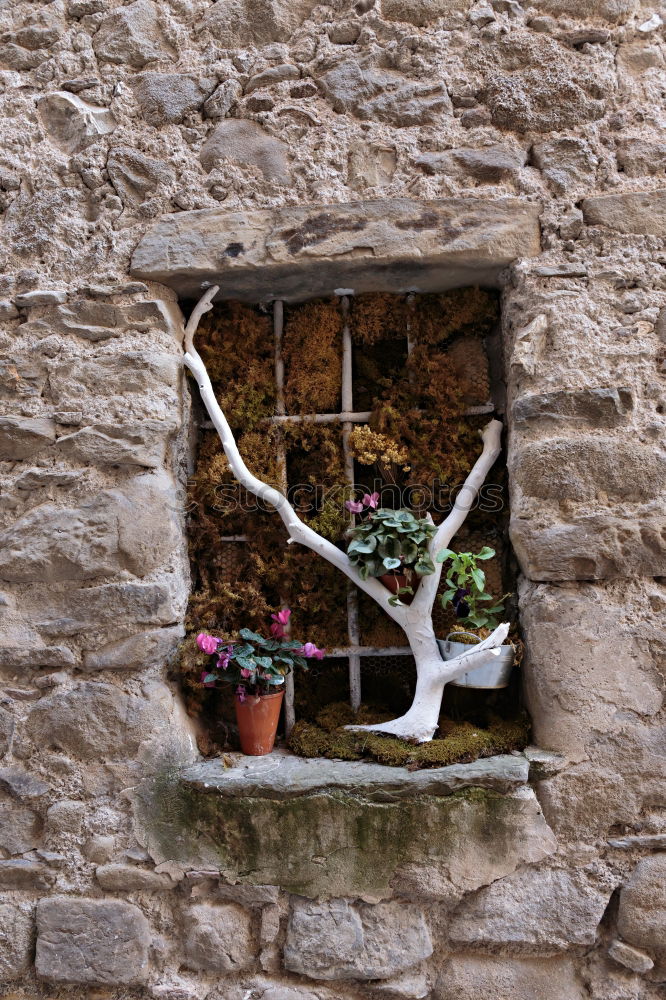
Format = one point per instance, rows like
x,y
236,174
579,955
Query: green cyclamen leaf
x,y
486,553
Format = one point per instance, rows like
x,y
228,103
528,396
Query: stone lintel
x,y
297,253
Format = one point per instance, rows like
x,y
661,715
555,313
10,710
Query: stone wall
x,y
117,113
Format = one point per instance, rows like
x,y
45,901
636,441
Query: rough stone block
x,y
146,649
140,373
417,839
628,212
245,142
582,674
219,938
489,164
66,816
467,977
629,957
22,785
308,251
131,35
92,721
129,878
136,176
533,912
18,873
112,609
72,123
421,12
24,437
16,932
337,941
133,530
609,10
165,98
603,407
641,918
567,163
20,827
6,730
90,941
237,23
137,445
358,87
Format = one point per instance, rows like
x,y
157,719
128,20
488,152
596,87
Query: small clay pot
x,y
394,581
257,717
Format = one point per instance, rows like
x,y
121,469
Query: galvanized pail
x,y
493,672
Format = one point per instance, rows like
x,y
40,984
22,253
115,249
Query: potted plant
x,y
257,667
391,545
467,595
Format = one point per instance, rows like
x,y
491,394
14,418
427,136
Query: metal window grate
x,y
347,418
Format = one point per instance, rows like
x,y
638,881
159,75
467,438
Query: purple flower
x,y
310,651
240,691
460,605
207,643
371,500
354,506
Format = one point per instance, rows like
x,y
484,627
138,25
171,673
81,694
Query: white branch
x,y
427,590
298,530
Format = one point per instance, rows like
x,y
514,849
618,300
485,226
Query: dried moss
x,y
457,742
312,348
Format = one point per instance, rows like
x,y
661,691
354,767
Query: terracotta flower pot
x,y
394,581
257,718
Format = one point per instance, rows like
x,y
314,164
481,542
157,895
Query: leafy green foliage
x,y
465,582
391,541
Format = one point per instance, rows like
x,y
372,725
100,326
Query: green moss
x,y
459,742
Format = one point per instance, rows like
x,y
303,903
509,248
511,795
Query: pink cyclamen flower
x,y
310,651
245,673
371,500
223,661
354,506
207,643
280,621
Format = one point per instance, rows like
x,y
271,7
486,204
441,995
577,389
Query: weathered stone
x,y
422,839
129,878
489,164
7,310
66,816
609,10
219,938
602,407
638,158
40,297
245,142
112,607
571,224
567,163
20,827
534,912
130,35
466,977
371,165
541,99
112,532
304,252
337,941
165,98
421,12
237,23
637,57
641,918
72,123
22,785
651,841
136,176
145,649
249,895
357,87
34,657
93,721
141,444
286,776
630,957
223,99
274,74
411,985
576,655
91,941
24,437
16,929
578,469
628,212
19,874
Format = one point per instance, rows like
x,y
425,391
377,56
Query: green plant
x,y
256,664
389,541
466,592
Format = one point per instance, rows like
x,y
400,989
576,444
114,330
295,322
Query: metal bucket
x,y
494,671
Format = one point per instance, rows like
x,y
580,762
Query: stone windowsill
x,y
318,827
